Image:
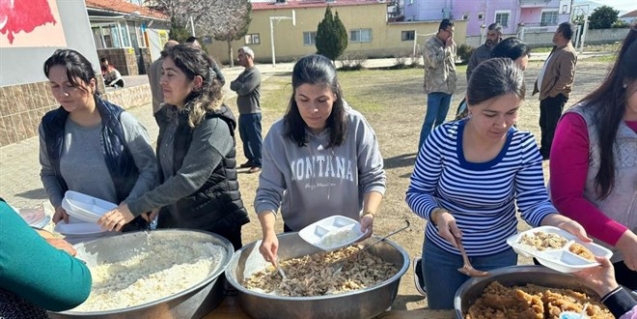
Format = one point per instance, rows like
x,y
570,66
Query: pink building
x,y
534,15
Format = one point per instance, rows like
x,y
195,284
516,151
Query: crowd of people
x,y
322,158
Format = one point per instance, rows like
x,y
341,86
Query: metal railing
x,y
534,2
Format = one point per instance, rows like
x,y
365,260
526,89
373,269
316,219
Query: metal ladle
x,y
339,266
467,268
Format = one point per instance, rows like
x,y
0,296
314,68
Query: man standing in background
x,y
483,52
554,84
248,89
215,67
439,58
154,75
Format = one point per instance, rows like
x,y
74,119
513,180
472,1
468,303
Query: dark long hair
x,y
76,65
512,48
495,77
315,70
608,102
194,61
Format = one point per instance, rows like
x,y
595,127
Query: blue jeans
x,y
250,133
437,108
442,278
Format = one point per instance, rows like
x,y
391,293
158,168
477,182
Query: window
x,y
549,18
253,38
502,17
480,16
309,38
408,35
465,16
360,35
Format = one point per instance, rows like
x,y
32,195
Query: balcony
x,y
534,3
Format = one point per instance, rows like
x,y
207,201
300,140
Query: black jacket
x,y
217,205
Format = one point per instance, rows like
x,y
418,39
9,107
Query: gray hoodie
x,y
312,182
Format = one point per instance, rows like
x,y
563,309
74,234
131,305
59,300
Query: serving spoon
x,y
467,268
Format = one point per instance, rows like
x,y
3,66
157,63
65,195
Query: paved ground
x,y
19,165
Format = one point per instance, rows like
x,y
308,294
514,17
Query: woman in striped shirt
x,y
468,178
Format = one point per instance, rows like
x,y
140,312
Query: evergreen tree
x,y
603,18
178,32
331,36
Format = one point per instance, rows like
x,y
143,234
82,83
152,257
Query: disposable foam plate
x,y
561,259
84,207
318,233
78,228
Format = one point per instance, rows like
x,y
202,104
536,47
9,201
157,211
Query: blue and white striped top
x,y
481,196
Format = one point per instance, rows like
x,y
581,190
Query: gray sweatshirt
x,y
248,88
84,169
310,183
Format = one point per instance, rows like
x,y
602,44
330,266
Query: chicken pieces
x,y
532,302
313,275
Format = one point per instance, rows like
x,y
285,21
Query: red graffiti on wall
x,y
23,15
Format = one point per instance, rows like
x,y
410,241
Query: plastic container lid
x,y
85,207
35,217
559,259
332,233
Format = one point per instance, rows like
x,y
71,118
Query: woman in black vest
x,y
89,145
196,153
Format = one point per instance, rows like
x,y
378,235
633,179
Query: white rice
x,y
338,238
167,268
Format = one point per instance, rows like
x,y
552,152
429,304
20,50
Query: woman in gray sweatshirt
x,y
321,159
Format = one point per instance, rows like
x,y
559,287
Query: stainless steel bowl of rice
x,y
158,274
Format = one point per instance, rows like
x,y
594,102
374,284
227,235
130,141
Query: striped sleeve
x,y
420,194
532,198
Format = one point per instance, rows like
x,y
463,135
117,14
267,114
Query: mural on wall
x,y
30,23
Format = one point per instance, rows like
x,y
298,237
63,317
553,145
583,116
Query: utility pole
x,y
277,19
192,27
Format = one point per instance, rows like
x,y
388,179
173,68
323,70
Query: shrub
x,y
353,61
464,52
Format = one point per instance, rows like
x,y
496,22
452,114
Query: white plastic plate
x,y
35,217
332,233
84,207
562,259
76,229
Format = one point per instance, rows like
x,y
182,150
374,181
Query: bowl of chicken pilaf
x,y
526,292
315,285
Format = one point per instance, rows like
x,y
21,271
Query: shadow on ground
x,y
402,160
37,193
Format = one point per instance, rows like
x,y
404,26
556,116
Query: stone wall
x,y
122,58
545,39
22,107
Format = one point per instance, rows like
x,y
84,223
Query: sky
x,y
623,6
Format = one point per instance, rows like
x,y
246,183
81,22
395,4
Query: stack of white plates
x,y
84,212
85,207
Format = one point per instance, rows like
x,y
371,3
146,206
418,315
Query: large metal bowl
x,y
472,289
364,303
195,302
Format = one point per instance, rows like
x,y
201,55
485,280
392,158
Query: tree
x,y
228,20
603,18
331,36
223,20
177,31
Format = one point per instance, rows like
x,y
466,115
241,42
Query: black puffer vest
x,y
217,205
117,156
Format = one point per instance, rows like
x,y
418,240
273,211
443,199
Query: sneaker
x,y
419,281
